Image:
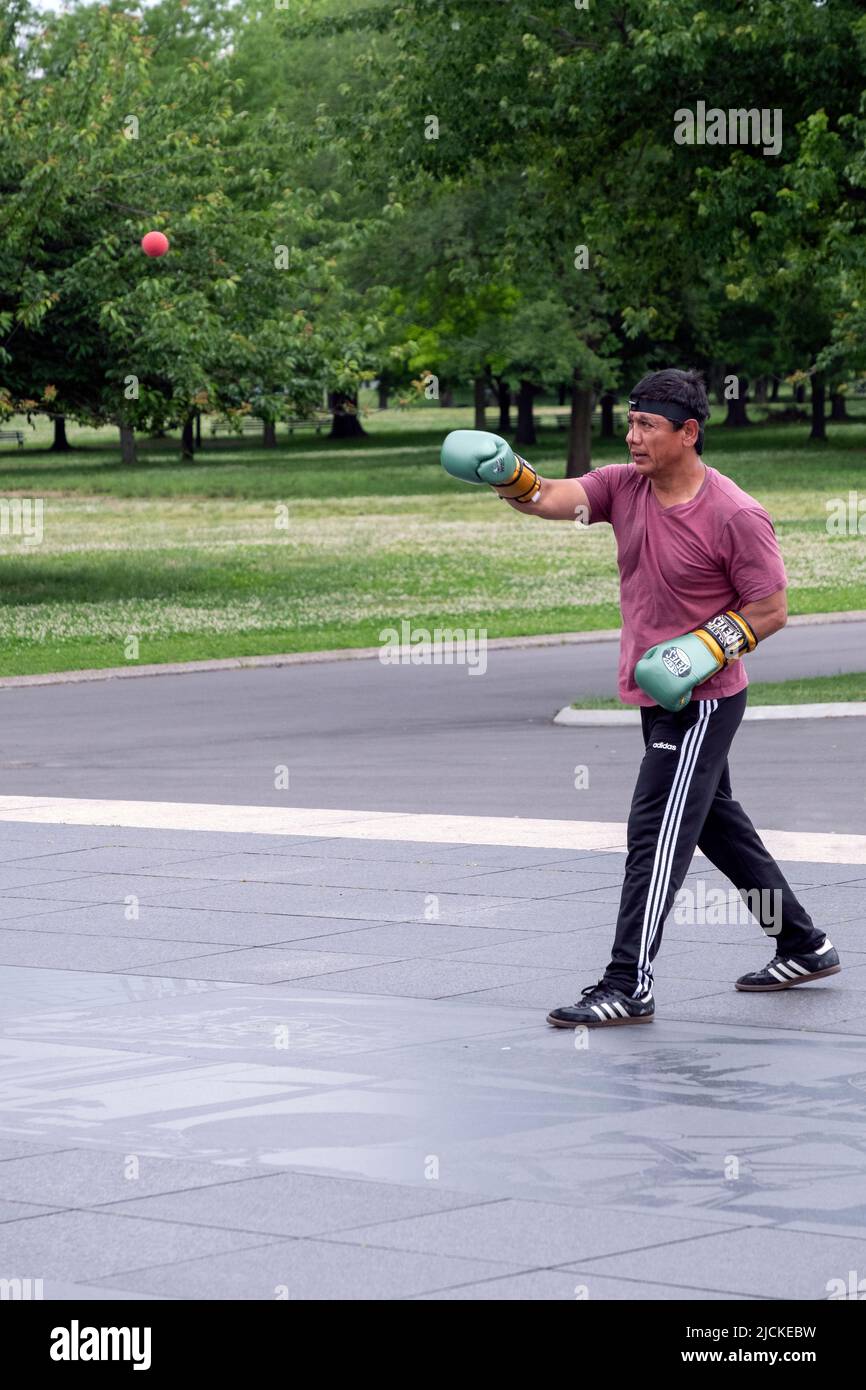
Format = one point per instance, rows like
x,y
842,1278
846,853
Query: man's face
x,y
655,444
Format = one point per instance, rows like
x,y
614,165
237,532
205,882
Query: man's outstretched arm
x,y
477,456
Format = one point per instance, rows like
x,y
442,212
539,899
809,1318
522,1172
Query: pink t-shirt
x,y
681,565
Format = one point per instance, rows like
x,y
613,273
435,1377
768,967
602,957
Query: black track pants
x,y
683,801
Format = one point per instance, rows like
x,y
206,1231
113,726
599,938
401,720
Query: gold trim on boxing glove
x,y
522,486
727,637
748,631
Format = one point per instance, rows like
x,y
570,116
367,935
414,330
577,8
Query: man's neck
x,y
680,485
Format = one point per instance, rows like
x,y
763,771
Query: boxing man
x,y
701,583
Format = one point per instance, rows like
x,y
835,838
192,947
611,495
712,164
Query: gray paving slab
x,y
426,978
64,1291
757,1263
726,961
88,1245
295,1204
401,939
550,1285
25,991
10,1147
541,883
59,950
546,991
483,857
285,899
115,859
31,876
554,914
532,1233
265,964
575,950
20,838
836,902
15,910
200,926
814,874
855,1026
744,933
610,895
309,1269
108,888
17,1211
380,873
93,1177
818,1007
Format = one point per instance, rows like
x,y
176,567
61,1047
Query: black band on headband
x,y
669,409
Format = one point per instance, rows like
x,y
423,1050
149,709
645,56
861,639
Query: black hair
x,y
678,388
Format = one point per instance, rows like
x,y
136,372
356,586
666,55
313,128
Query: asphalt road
x,y
361,735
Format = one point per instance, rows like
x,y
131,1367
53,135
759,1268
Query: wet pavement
x,y
260,1066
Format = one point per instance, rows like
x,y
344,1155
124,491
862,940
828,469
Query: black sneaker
x,y
784,972
603,1006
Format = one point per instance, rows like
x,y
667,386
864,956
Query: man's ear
x,y
691,430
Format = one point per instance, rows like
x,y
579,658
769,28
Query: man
x,y
698,557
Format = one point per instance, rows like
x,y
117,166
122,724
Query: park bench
x,y
316,422
17,435
249,425
560,417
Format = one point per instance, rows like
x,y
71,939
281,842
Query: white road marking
x,y
514,831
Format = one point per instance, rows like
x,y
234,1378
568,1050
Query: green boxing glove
x,y
670,671
478,457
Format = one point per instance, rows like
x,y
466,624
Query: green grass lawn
x,y
188,557
812,690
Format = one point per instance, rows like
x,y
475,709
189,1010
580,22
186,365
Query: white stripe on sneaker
x,y
783,979
783,966
620,1008
828,946
800,969
596,1009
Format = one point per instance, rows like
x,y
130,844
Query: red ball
x,y
154,244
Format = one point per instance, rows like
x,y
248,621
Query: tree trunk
x,y
383,394
837,406
561,392
774,391
525,416
187,441
800,393
446,397
346,423
269,435
198,429
503,395
736,415
819,395
61,444
579,430
479,387
607,428
761,390
716,382
128,455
